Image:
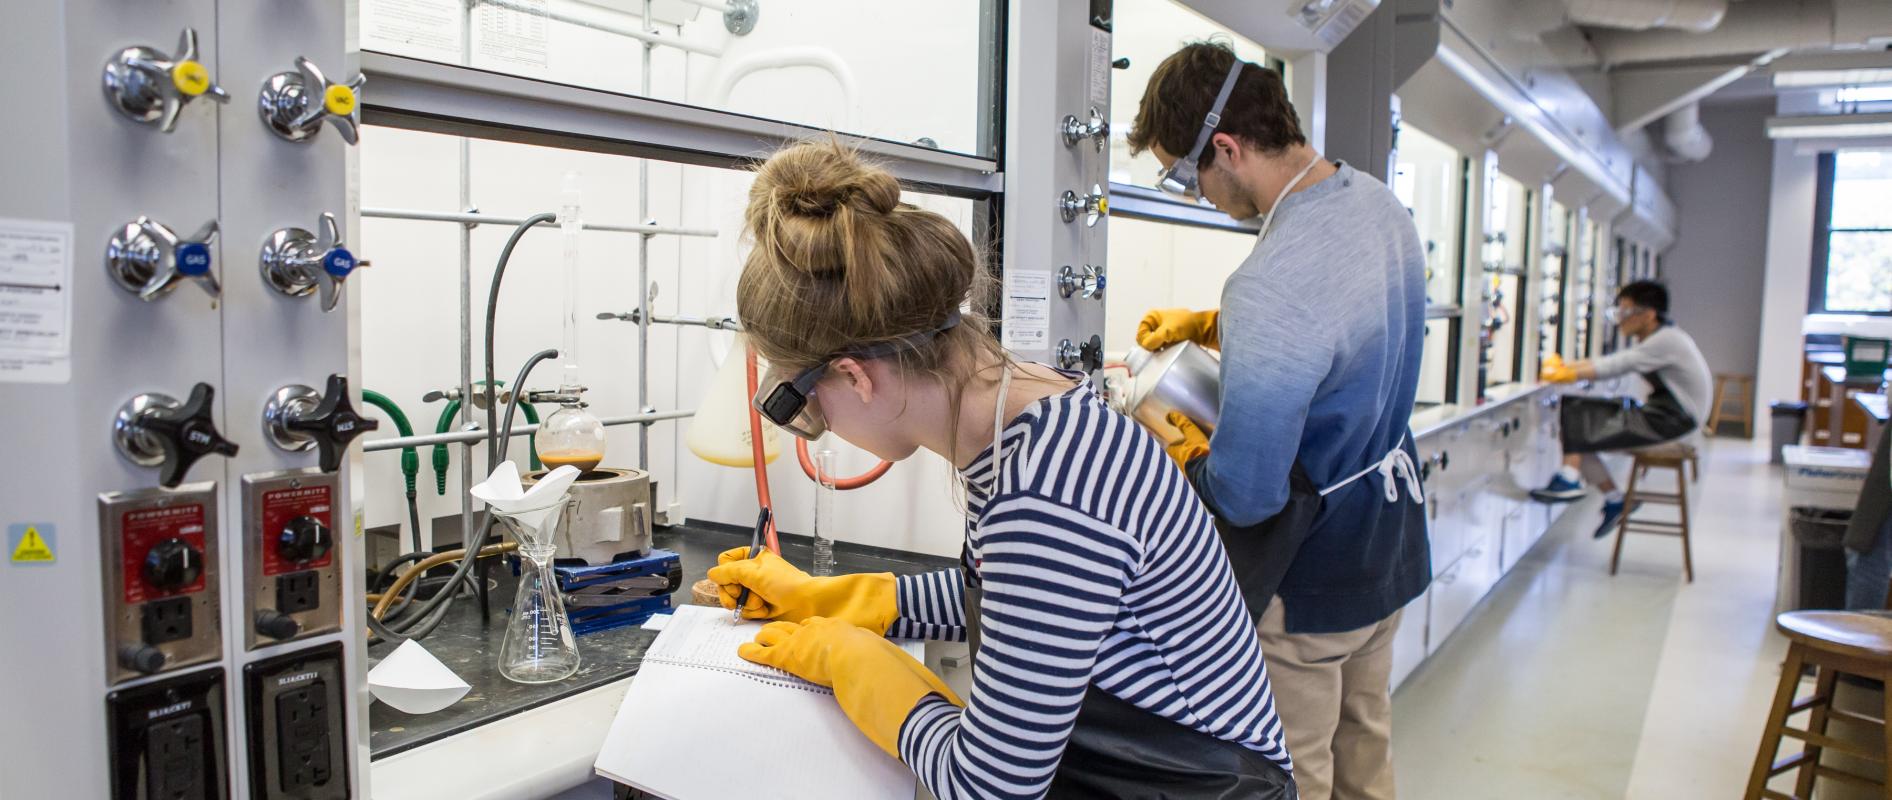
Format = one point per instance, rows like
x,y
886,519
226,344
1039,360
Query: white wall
x,y
1789,256
918,81
1716,268
1158,265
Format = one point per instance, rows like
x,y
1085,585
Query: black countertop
x,y
471,649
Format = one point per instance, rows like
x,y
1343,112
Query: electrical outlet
x,y
296,722
166,739
298,591
167,620
302,737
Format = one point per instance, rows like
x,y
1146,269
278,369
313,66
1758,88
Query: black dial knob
x,y
303,539
277,625
1091,354
333,423
172,564
141,658
185,434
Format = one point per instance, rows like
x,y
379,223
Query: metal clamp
x,y
1093,206
294,104
1096,129
1089,284
149,259
150,87
295,262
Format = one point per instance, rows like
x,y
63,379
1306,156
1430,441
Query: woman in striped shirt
x,y
1113,654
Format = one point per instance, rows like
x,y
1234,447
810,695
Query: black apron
x,y
1597,424
1117,750
1260,554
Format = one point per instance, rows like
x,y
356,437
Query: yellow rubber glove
x,y
1166,326
1555,371
876,683
777,590
1194,444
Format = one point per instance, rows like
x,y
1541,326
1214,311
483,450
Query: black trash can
x,y
1789,420
1819,534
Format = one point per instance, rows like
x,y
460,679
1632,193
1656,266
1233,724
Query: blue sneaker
x,y
1559,490
1613,511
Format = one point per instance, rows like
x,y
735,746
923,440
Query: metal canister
x,y
609,515
1183,377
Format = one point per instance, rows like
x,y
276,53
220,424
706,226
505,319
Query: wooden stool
x,y
1675,456
1850,642
1737,389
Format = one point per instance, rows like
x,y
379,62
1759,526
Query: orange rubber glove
x,y
1555,371
1194,444
876,683
777,590
1164,327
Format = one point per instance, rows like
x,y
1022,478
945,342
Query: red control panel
x,y
282,507
171,538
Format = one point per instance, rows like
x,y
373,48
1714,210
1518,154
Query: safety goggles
x,y
1182,180
789,402
1616,314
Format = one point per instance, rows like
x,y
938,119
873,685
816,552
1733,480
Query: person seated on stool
x,y
1680,386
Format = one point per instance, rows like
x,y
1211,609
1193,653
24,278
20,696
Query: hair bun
x,y
818,179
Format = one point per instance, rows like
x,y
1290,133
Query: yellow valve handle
x,y
339,100
1103,205
190,78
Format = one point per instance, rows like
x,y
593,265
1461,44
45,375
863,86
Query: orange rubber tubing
x,y
760,460
856,482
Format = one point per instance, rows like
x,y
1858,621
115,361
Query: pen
x,y
755,548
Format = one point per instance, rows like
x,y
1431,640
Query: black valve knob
x,y
1445,461
141,658
333,423
1091,354
303,539
172,564
184,434
277,625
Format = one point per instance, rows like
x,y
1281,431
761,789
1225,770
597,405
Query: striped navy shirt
x,y
1098,565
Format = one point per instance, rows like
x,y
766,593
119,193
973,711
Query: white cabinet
x,y
1409,642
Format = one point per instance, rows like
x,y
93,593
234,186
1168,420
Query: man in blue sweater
x,y
1310,470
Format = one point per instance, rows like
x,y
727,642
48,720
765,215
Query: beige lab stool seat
x,y
1836,642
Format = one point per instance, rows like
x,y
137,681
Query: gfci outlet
x,y
299,737
167,739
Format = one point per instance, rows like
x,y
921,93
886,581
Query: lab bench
x,y
510,740
1477,466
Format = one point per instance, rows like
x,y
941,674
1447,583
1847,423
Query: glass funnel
x,y
538,647
571,436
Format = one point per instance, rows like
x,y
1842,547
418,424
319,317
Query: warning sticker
x,y
31,543
1027,309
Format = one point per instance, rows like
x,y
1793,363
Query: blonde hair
x,y
840,263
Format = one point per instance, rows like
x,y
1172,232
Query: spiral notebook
x,y
699,722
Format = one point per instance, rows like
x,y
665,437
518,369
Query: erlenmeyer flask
x,y
538,647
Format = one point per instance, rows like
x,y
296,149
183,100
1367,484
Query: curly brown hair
x,y
1183,88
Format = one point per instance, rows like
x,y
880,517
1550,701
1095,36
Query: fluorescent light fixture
x,y
1829,126
1800,79
1863,94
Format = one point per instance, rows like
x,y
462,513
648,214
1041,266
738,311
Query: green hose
x,y
410,458
445,423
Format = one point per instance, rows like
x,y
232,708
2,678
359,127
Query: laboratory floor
x,y
1568,683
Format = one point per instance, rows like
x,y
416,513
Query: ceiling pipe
x,y
1754,27
1685,137
1699,16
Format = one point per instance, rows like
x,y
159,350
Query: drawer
x,y
1445,527
1520,532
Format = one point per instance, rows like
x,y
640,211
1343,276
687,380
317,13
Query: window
x,y
1852,237
1429,180
908,71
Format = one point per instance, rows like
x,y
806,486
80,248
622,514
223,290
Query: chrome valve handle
x,y
294,104
297,419
151,87
1088,284
155,430
149,259
1095,128
295,262
1092,206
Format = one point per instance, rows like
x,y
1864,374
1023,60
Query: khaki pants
x,y
1331,692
